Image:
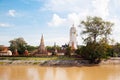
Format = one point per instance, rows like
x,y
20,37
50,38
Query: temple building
x,y
41,49
73,37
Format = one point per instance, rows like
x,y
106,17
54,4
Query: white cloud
x,y
74,18
56,21
5,25
12,13
75,11
116,29
71,18
101,8
92,7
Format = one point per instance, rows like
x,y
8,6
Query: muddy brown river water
x,y
104,72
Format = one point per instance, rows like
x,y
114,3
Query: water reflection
x,y
109,72
33,74
115,75
60,74
49,74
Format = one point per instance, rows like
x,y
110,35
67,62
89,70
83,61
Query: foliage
x,y
53,47
19,44
49,48
68,51
78,51
96,31
95,51
31,48
116,49
1,47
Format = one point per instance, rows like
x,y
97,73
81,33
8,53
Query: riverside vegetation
x,y
95,34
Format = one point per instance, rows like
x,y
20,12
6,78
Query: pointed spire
x,y
42,40
42,46
42,43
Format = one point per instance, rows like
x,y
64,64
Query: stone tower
x,y
41,48
73,37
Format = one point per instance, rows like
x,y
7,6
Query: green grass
x,y
38,58
1,63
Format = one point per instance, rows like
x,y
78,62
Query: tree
x,y
68,51
31,48
96,29
1,47
97,32
116,49
19,44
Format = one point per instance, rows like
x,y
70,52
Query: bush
x,y
94,52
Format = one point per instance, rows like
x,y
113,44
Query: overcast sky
x,y
52,18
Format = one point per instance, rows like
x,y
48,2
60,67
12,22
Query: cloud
x,y
75,11
92,7
101,8
12,13
5,25
74,18
66,5
71,18
56,21
116,29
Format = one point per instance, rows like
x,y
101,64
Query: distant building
x,y
5,51
9,53
73,37
42,49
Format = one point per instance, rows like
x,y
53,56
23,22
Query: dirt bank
x,y
58,62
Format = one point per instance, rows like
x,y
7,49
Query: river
x,y
104,72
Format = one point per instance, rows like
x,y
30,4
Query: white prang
x,y
73,37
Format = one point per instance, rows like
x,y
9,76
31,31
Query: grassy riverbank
x,y
10,60
52,61
38,58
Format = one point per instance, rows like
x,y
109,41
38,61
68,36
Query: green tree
x,y
19,44
96,29
116,49
68,51
1,47
97,32
52,48
31,48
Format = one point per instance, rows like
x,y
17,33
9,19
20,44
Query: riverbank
x,y
12,60
110,61
46,62
54,61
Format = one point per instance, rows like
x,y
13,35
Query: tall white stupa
x,y
73,37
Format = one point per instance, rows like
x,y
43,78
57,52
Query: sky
x,y
53,18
